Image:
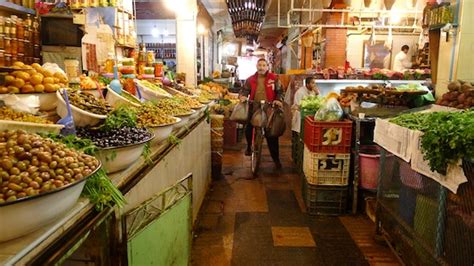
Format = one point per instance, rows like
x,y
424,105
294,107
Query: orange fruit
x,y
19,83
36,79
48,80
39,88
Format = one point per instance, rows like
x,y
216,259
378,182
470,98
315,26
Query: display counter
x,y
139,183
336,85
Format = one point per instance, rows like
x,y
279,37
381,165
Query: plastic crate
x,y
326,169
304,113
317,133
324,200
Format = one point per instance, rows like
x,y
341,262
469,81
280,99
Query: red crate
x,y
315,131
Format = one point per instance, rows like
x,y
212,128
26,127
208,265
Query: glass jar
x,y
2,59
31,4
27,32
71,66
14,44
83,3
7,28
75,4
8,45
2,42
21,47
20,58
25,3
8,60
2,25
13,26
94,3
20,30
103,3
28,21
28,50
36,51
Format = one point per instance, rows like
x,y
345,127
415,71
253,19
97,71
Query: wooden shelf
x,y
14,8
126,46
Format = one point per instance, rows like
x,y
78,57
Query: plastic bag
x,y
240,114
259,118
331,111
22,103
276,123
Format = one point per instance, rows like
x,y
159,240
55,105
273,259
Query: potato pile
x,y
35,79
460,95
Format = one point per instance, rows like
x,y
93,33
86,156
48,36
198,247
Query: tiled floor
x,y
262,221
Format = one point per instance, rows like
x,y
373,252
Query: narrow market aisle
x,y
261,221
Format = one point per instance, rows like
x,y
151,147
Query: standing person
x,y
309,90
262,86
402,61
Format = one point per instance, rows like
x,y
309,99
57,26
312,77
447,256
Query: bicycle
x,y
258,134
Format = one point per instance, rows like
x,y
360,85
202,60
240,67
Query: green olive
x,y
15,179
6,164
59,171
15,187
10,192
21,166
34,184
14,171
38,180
11,198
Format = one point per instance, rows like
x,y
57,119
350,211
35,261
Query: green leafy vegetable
x,y
123,116
146,154
448,136
312,103
101,192
174,140
73,142
98,188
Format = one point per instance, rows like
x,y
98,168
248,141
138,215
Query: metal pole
x,y
441,225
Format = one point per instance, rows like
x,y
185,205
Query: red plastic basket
x,y
328,137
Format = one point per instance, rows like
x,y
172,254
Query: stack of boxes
x,y
326,164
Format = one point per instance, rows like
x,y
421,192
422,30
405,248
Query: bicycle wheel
x,y
256,150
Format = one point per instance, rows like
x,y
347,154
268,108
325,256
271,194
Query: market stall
x,y
91,154
424,199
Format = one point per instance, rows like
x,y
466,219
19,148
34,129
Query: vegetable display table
x,y
83,226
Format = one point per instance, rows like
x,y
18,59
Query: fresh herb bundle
x,y
447,136
122,116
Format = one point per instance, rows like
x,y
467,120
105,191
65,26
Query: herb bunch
x,y
448,136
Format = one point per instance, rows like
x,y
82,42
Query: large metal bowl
x,y
81,118
184,119
116,159
25,215
162,132
115,99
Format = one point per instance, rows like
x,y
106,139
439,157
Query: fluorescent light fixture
x,y
395,17
154,32
201,29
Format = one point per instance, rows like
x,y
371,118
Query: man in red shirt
x,y
262,86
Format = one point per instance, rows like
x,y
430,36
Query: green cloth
x,y
260,94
